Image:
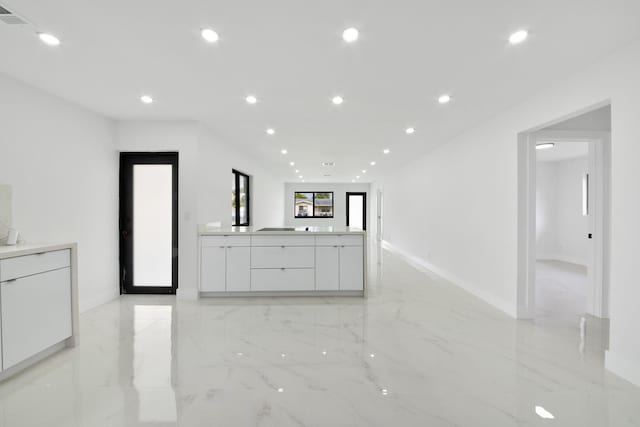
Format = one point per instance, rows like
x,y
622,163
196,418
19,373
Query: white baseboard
x,y
627,368
96,300
187,294
472,288
561,258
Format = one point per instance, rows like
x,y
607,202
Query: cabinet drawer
x,y
212,241
340,240
277,240
282,280
36,314
283,257
27,265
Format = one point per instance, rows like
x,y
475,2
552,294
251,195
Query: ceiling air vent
x,y
9,17
328,164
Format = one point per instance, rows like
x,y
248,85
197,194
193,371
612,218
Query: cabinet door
x,y
213,269
351,268
238,269
327,268
36,314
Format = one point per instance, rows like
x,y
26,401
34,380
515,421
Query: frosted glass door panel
x,y
356,214
152,225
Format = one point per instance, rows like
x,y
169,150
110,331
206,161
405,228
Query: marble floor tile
x,y
416,352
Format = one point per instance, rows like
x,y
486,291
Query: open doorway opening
x,y
563,222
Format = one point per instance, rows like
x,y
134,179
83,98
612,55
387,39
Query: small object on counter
x,y
12,238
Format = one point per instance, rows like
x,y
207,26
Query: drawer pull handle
x,y
40,253
282,269
11,280
282,247
221,247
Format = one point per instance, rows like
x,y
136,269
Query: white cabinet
x,y
238,269
213,266
225,269
282,257
327,268
282,279
255,262
36,314
351,268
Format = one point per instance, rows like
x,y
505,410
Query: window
x,y
313,205
240,199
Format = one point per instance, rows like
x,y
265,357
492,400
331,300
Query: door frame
x,y
364,207
599,206
127,160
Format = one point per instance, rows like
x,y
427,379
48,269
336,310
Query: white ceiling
x,y
290,54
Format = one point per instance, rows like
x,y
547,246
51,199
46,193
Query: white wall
x,y
463,218
215,161
205,164
561,229
63,168
339,203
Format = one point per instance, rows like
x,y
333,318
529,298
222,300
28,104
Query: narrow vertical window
x,y
240,199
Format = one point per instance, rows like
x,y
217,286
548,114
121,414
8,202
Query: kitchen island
x,y
243,261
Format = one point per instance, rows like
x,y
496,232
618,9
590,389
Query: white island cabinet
x,y
38,305
319,261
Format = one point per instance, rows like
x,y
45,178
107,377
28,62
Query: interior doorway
x,y
149,223
563,218
357,210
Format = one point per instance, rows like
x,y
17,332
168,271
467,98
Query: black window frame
x,y
313,205
236,176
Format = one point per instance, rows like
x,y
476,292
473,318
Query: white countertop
x,y
203,230
31,248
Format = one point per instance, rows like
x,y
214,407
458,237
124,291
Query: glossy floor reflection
x,y
416,352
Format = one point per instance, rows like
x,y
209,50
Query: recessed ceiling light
x,y
409,131
303,180
372,163
350,35
353,180
292,163
358,177
337,100
364,171
386,151
443,99
518,37
284,151
271,131
146,99
297,171
209,35
545,146
300,176
251,99
49,39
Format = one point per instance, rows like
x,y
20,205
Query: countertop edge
x,y
33,248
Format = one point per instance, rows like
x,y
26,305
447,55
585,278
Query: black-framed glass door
x,y
357,210
149,223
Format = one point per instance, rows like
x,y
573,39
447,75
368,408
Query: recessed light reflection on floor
x,y
324,352
372,355
384,391
281,390
543,413
283,355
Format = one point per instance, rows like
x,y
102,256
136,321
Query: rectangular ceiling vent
x,y
9,17
328,164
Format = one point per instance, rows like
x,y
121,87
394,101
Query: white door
x,y
351,268
327,268
213,269
238,269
